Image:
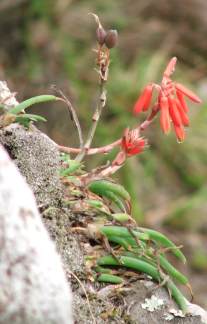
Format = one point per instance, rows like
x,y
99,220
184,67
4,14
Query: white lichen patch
x,y
148,284
153,303
172,314
176,312
168,317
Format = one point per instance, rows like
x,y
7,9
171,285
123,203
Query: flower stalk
x,y
106,41
95,119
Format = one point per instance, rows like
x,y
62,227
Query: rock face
x,y
42,157
33,286
37,158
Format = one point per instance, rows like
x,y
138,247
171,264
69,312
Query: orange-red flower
x,y
143,102
132,143
164,115
170,100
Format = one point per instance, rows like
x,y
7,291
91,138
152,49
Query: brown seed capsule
x,y
100,35
111,38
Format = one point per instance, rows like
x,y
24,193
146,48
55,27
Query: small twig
x,y
88,177
110,249
95,120
85,292
131,304
73,115
110,170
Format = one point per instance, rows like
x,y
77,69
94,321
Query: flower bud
x,y
100,35
111,38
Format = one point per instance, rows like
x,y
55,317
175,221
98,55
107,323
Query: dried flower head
x,y
132,143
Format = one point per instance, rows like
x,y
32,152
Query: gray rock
x,y
41,168
33,286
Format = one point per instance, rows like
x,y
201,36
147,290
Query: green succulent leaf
x,y
105,277
164,242
142,265
73,167
25,119
100,187
32,101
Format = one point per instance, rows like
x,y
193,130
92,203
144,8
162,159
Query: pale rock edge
x,y
33,286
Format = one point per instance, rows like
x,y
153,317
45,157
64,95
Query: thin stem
x,y
85,293
150,118
110,170
103,149
95,120
73,116
106,172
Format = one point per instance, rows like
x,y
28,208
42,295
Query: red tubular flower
x,y
170,100
183,115
164,115
174,113
132,143
180,133
181,99
187,93
144,100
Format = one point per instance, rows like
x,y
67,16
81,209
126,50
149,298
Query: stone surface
x,y
37,158
33,286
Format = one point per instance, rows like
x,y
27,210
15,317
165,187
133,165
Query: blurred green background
x,y
47,42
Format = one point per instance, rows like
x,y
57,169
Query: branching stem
x,y
109,147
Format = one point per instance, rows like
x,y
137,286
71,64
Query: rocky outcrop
x,y
33,286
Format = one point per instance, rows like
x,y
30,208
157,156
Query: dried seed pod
x,y
100,35
111,38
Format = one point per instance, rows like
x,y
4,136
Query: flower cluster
x,y
170,102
